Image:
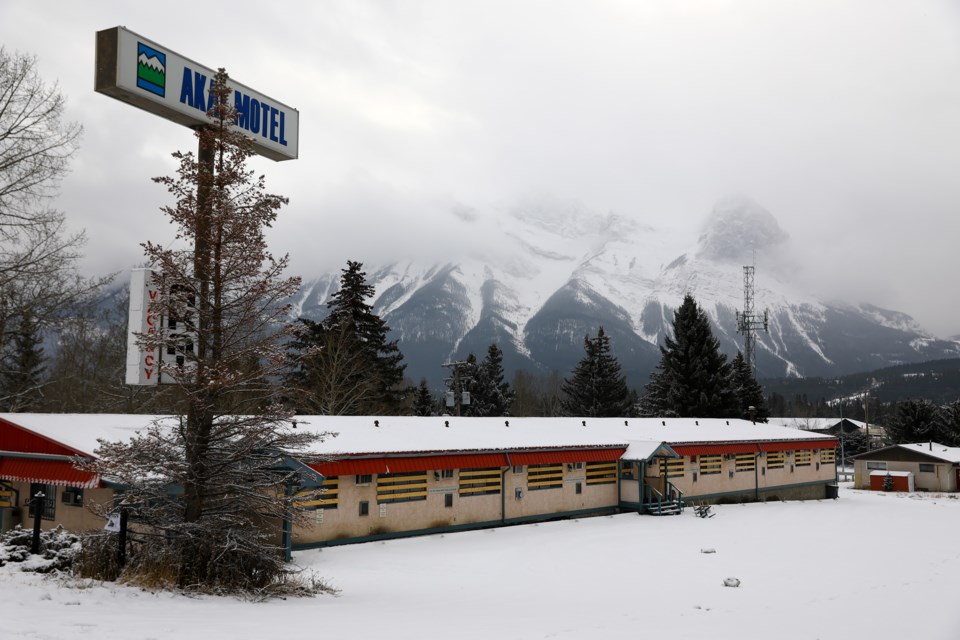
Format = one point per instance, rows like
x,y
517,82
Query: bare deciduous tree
x,y
38,255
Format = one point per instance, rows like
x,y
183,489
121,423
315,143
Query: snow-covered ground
x,y
868,565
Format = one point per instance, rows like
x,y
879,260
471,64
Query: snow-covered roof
x,y
80,431
369,435
935,450
646,449
816,423
403,434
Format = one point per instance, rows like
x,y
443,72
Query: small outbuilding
x,y
933,466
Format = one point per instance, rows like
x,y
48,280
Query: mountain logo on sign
x,y
151,69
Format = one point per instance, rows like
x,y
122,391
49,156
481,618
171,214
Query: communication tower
x,y
749,322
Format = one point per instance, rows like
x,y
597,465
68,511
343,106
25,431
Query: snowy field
x,y
868,565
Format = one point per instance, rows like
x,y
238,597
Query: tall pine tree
x,y
424,403
373,372
597,388
490,394
749,391
693,379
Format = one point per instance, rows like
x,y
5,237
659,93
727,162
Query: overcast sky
x,y
842,118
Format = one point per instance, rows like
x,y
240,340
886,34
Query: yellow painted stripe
x,y
480,473
601,480
464,490
419,480
401,487
480,481
395,496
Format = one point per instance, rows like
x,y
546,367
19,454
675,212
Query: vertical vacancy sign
x,y
143,365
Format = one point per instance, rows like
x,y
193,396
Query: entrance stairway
x,y
666,503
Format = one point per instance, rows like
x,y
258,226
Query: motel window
x,y
548,476
579,487
602,472
518,470
364,508
446,473
49,503
72,496
672,468
745,462
927,468
328,497
364,478
480,482
710,464
776,459
876,466
402,487
626,469
448,500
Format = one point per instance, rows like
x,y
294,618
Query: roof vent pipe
x,y
446,423
584,422
931,445
376,423
506,423
626,424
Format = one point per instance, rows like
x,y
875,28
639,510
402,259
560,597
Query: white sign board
x,y
143,366
147,75
113,522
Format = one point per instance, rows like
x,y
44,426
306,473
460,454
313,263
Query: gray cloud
x,y
840,118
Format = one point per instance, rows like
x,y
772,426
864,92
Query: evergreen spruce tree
x,y
348,307
693,379
423,401
749,391
490,395
597,389
345,364
913,421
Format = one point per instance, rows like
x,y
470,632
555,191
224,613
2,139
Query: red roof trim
x,y
380,466
57,472
558,457
798,445
713,449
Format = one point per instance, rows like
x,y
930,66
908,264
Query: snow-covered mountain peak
x,y
736,228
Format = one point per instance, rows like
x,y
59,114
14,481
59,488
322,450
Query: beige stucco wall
x,y
345,521
72,517
762,480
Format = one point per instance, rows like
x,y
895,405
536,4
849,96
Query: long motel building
x,y
387,476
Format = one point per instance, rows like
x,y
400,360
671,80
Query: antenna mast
x,y
749,322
